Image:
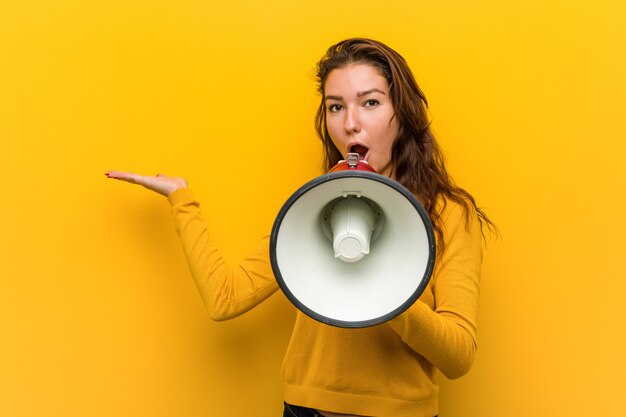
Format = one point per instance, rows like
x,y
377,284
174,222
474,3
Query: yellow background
x,y
98,313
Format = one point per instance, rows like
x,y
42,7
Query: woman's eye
x,y
334,108
371,103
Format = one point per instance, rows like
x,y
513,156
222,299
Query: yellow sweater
x,y
386,370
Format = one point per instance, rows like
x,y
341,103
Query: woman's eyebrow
x,y
359,94
370,91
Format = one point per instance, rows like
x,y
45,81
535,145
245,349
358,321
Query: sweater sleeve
x,y
446,334
227,291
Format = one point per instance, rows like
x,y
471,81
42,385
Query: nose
x,y
351,122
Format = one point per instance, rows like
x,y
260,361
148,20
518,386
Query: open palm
x,y
159,183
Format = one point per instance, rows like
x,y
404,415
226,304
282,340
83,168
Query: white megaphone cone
x,y
352,248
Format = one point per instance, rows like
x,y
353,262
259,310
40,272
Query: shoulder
x,y
458,219
461,253
452,212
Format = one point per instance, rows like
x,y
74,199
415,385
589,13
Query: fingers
x,y
129,177
120,175
159,183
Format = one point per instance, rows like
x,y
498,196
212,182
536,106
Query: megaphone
x,y
352,248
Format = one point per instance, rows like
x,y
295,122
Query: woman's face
x,y
360,115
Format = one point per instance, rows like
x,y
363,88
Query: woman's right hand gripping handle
x,y
159,183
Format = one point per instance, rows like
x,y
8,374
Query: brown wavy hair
x,y
416,158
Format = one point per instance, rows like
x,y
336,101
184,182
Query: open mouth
x,y
360,149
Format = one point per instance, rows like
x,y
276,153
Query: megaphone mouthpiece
x,y
353,161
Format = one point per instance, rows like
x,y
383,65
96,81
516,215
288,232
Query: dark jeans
x,y
297,411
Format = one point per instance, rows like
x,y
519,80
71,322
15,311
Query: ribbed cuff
x,y
181,196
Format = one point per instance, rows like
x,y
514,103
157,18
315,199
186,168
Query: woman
x,y
370,105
